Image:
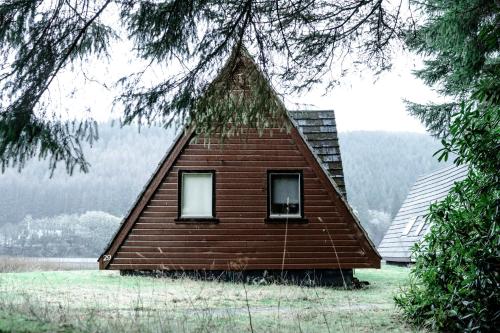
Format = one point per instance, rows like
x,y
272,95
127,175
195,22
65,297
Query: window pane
x,y
285,194
409,225
196,198
420,227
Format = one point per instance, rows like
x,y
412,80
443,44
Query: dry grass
x,y
93,301
9,264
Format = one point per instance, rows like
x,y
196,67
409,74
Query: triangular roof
x,y
302,128
409,226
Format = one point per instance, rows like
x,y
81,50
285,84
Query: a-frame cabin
x,y
273,200
410,225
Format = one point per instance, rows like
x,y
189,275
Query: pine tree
x,y
459,40
295,42
455,281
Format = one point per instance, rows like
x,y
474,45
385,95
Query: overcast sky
x,y
362,101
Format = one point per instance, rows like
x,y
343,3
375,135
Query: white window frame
x,y
270,193
182,174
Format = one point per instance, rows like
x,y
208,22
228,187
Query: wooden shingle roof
x,y
320,130
409,226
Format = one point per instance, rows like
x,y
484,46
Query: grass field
x,y
30,264
94,301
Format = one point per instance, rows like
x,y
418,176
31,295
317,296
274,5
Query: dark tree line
x,y
65,235
121,163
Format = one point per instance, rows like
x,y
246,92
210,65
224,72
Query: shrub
x,y
455,281
455,284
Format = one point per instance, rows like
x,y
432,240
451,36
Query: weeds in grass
x,y
9,264
92,301
248,308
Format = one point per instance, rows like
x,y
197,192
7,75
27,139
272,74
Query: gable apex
x,y
318,127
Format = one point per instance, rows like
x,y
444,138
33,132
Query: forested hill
x,y
122,160
379,169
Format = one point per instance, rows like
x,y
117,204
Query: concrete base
x,y
312,277
399,263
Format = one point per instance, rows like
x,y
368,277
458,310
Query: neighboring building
x,y
237,206
409,225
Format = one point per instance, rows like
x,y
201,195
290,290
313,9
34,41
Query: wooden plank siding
x,y
331,238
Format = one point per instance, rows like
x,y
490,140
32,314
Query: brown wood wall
x,y
242,239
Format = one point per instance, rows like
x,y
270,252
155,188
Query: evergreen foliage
x,y
460,42
122,161
37,40
456,281
41,39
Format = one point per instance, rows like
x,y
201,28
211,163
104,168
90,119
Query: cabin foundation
x,y
302,277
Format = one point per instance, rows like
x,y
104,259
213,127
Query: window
x,y
285,192
196,195
420,227
409,225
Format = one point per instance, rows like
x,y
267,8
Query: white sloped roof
x,y
408,227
